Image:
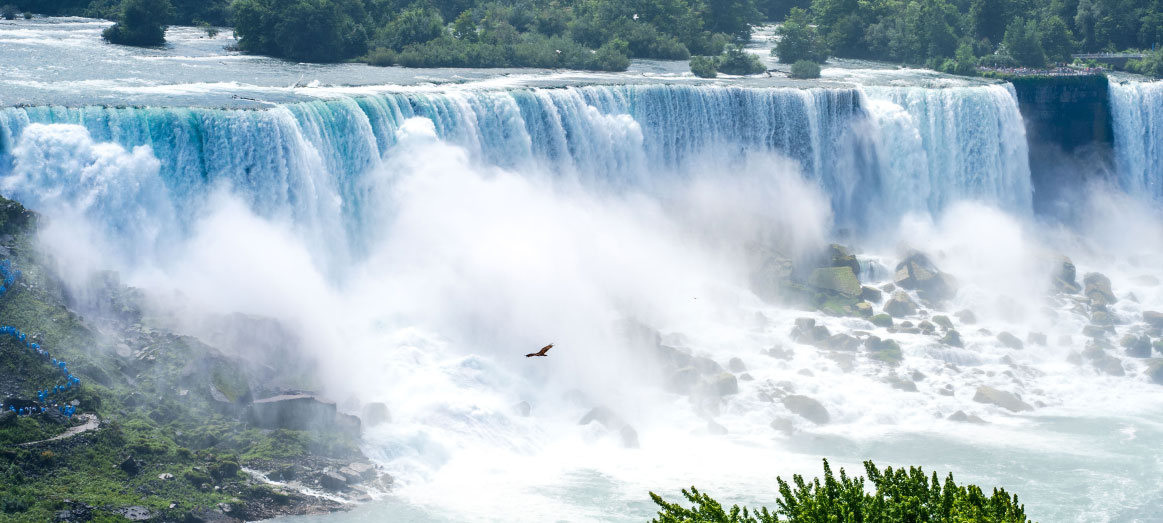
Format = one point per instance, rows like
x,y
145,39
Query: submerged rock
x,y
900,305
807,408
1001,398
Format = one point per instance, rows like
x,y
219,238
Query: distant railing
x,y
1097,56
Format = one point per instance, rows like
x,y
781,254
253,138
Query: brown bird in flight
x,y
540,352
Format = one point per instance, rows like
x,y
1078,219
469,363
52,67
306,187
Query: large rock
x,y
629,437
952,338
838,279
1155,371
1137,346
887,351
724,384
333,481
807,408
1154,319
917,272
840,256
1098,289
1001,398
1064,276
843,342
1011,341
682,380
1109,365
376,413
900,305
300,412
871,294
881,320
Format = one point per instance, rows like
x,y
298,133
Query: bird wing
x,y
545,349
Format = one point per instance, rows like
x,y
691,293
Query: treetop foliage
x,y
900,496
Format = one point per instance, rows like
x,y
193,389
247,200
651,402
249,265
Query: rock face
x,y
839,279
1001,398
900,305
917,272
1098,289
300,412
807,408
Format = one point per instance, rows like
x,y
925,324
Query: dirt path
x,y
91,423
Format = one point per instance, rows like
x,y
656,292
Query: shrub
x,y
380,57
805,69
704,66
900,495
798,40
740,62
142,23
8,12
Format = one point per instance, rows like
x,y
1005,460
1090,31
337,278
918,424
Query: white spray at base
x,y
470,265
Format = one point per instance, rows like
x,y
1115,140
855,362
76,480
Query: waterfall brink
x,y
876,153
1137,114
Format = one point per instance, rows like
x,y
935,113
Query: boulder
x,y
724,384
375,413
837,279
952,338
965,418
881,320
706,365
843,342
839,256
917,272
1064,276
333,481
863,309
900,305
1137,346
1154,319
1009,340
1101,316
298,412
871,294
900,383
1155,371
966,316
1097,289
806,408
130,466
1001,398
1094,331
780,353
682,380
350,475
886,351
602,415
736,365
365,471
1109,365
673,356
1036,338
943,321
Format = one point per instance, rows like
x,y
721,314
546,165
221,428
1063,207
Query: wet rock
x,y
300,412
736,365
629,437
900,305
1101,316
602,415
746,377
947,390
522,408
1036,338
672,356
886,350
1094,331
1001,398
364,471
706,365
1137,346
952,338
838,279
918,273
375,413
807,408
1097,289
871,294
783,425
1064,276
966,316
165,476
1154,319
1155,371
926,327
843,342
899,383
1109,365
943,321
881,320
724,384
333,481
1009,340
962,417
888,287
780,353
840,256
863,309
1158,346
715,428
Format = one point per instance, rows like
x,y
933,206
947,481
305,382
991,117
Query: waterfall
x,y
1137,114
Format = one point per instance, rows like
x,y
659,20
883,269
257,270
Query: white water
x,y
424,240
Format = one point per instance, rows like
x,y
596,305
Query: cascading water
x,y
1137,118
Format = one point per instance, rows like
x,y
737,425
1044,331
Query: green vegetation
x,y
704,66
142,23
735,60
900,496
8,12
805,69
994,32
799,40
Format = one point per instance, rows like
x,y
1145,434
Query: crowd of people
x,y
47,399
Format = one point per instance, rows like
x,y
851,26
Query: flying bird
x,y
541,352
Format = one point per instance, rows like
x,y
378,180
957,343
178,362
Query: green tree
x,y
142,23
805,69
740,62
704,66
1023,42
733,17
1056,40
9,12
798,39
412,26
305,30
988,19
